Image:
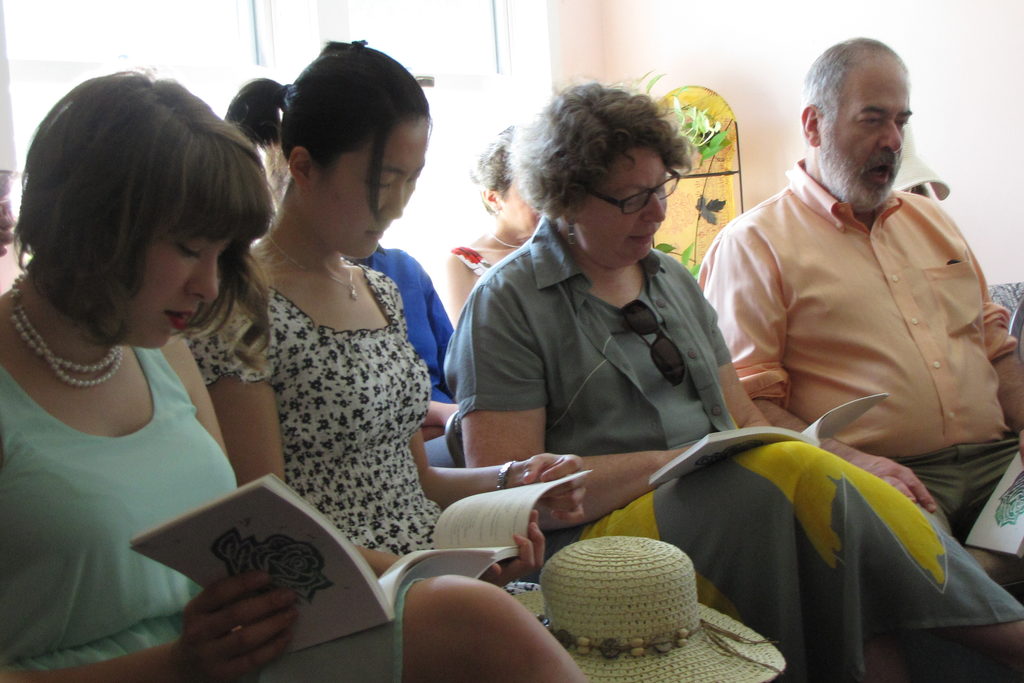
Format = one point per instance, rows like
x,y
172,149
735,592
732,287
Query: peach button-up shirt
x,y
817,310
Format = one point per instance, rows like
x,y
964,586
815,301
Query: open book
x,y
721,445
265,525
1000,526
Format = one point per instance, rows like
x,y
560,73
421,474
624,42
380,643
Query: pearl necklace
x,y
62,367
351,284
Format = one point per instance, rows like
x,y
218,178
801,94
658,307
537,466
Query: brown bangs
x,y
213,189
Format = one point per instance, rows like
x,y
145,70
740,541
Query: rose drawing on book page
x,y
1011,503
292,564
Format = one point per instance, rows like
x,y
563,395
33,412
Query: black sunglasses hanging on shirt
x,y
665,354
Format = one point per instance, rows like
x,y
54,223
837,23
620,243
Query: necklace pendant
x,y
351,268
348,265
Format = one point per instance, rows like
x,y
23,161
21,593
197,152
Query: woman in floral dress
x,y
336,409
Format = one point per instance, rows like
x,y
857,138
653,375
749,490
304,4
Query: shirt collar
x,y
820,201
553,263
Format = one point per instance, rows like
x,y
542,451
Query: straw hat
x,y
626,609
913,171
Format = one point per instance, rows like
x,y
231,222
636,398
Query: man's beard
x,y
848,182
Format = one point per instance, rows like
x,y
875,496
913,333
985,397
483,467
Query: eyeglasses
x,y
665,354
635,202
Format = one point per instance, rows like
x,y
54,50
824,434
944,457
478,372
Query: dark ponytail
x,y
257,110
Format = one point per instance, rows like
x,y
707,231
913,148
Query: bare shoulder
x,y
179,357
482,242
451,259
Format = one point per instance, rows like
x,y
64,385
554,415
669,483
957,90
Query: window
x,y
491,69
112,31
449,37
488,59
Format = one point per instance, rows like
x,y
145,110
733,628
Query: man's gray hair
x,y
824,81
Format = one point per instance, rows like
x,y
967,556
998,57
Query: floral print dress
x,y
348,403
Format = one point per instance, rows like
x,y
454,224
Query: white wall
x,y
962,58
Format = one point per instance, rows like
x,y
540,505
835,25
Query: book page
x,y
718,446
1000,526
424,564
267,526
491,518
835,420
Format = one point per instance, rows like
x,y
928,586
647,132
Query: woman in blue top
x,y
138,209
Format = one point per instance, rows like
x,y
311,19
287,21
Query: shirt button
x,y
895,278
951,414
660,303
936,364
716,410
691,353
913,321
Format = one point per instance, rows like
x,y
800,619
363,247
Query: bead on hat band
x,y
660,644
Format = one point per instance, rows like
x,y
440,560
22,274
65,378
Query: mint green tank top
x,y
72,592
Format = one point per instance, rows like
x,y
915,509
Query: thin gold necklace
x,y
351,284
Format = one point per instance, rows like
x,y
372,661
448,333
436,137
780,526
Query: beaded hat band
x,y
626,609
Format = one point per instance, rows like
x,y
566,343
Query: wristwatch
x,y
503,474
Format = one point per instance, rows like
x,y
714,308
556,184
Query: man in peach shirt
x,y
837,287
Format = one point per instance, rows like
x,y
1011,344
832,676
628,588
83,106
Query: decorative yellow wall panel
x,y
711,194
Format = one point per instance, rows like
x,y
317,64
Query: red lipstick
x,y
179,319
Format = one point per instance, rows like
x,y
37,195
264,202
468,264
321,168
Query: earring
x,y
571,237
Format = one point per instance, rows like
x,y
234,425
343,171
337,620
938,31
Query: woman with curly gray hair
x,y
589,341
514,222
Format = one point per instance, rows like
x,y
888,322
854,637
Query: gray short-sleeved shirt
x,y
532,336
